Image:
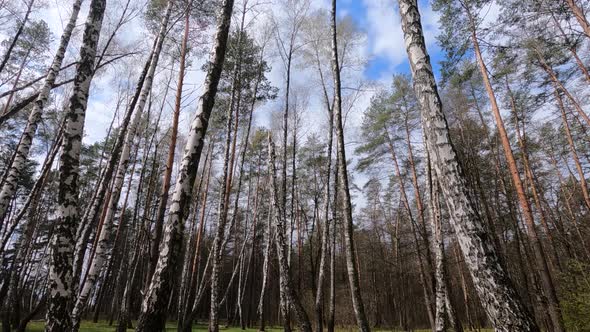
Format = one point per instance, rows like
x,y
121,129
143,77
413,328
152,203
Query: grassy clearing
x,y
103,326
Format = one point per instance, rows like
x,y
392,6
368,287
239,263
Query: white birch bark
x,y
91,213
351,267
10,184
497,294
265,266
62,243
155,302
285,279
101,253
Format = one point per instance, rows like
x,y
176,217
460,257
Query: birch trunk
x,y
91,213
21,154
154,307
172,147
225,190
187,320
265,267
105,234
352,269
498,296
335,217
62,243
445,314
218,246
286,281
326,231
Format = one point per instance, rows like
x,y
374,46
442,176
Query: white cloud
x,y
385,30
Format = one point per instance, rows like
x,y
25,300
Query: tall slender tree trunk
x,y
326,230
335,217
62,243
573,150
226,185
553,77
101,253
172,147
498,296
154,307
580,16
222,219
98,198
16,81
187,320
281,243
529,176
16,37
21,154
265,268
352,269
426,280
540,256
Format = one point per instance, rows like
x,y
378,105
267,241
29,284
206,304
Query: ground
x,y
103,326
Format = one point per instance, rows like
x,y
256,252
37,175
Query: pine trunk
x,y
540,256
154,307
498,296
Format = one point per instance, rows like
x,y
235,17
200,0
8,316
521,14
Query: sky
x,y
383,48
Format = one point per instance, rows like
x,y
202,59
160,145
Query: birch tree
x,y
153,312
9,185
62,244
105,234
498,296
353,278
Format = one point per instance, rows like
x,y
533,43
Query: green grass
x,y
103,326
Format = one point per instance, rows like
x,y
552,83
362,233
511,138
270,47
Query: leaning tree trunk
x,y
265,269
225,190
154,307
281,243
353,277
171,149
101,252
498,295
16,37
572,148
326,231
92,211
539,251
62,243
26,141
443,305
221,221
580,16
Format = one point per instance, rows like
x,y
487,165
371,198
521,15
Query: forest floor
x,y
103,326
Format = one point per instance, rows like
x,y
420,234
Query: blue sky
x,y
381,62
